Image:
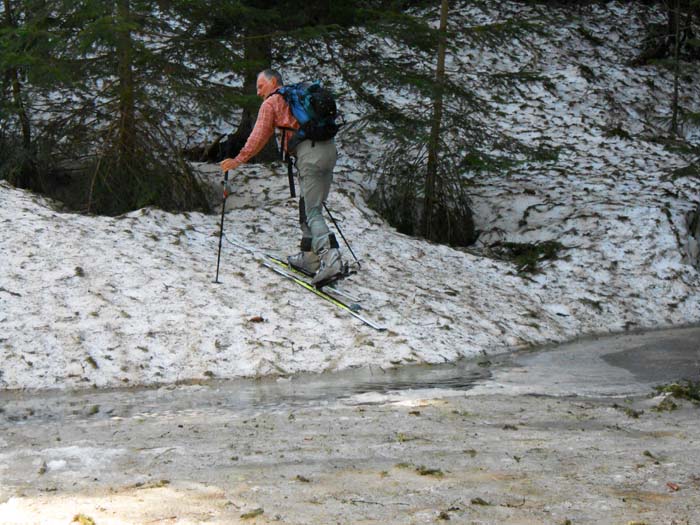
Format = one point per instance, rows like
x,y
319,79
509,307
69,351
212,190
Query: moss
x,y
82,519
630,412
618,132
587,73
425,471
688,390
594,304
152,484
667,405
545,153
595,40
634,414
252,514
527,256
691,171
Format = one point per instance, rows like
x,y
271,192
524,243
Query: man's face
x,y
266,86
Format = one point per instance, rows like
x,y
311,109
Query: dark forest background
x,y
98,98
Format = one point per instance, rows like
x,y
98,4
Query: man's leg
x,y
315,163
306,260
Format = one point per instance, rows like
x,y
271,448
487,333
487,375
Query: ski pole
x,y
286,157
337,227
290,176
221,230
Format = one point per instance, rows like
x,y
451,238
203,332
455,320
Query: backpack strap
x,y
284,149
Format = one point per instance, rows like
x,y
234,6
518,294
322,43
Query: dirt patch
x,y
493,459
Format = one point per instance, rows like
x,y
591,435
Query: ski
x,y
276,267
331,287
322,294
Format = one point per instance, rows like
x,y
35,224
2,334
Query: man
x,y
315,161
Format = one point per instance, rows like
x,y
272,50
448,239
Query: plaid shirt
x,y
274,113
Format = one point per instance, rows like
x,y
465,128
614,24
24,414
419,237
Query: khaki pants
x,y
315,162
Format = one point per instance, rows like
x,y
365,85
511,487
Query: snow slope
x,y
97,301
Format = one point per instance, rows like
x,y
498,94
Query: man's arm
x,y
262,131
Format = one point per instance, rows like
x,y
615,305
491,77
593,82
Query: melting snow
x,y
96,301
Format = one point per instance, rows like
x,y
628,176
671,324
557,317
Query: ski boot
x,y
305,262
331,268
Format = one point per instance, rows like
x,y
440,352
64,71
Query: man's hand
x,y
228,164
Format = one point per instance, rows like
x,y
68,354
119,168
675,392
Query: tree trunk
x,y
434,143
257,54
14,75
21,111
127,106
676,67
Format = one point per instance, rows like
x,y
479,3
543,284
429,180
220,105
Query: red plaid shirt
x,y
274,113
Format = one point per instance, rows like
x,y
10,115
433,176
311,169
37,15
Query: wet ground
x,y
568,433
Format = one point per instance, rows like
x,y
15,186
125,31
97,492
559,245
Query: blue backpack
x,y
315,109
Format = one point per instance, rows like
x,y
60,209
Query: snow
x,y
107,302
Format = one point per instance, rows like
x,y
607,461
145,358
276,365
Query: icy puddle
x,y
239,395
625,364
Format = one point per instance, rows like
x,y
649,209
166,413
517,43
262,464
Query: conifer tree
x,y
434,143
11,68
268,33
251,24
680,29
16,140
440,132
132,73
